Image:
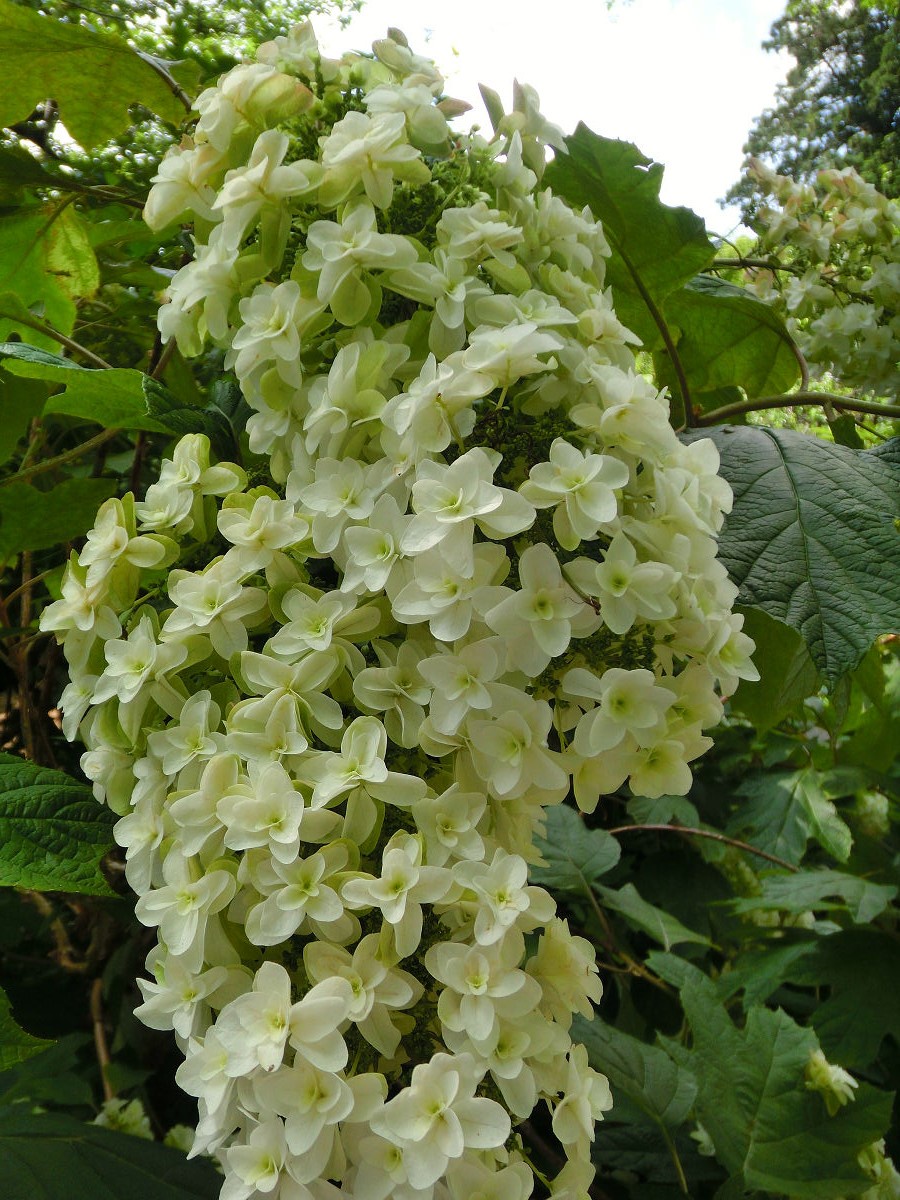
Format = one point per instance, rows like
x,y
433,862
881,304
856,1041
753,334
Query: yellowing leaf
x,y
93,77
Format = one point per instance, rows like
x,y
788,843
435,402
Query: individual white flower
x,y
580,486
213,601
192,738
464,492
271,322
480,984
264,183
537,621
404,886
476,233
368,152
627,702
135,661
177,997
510,751
183,905
451,584
378,988
626,588
510,353
459,681
448,822
504,897
182,184
372,551
343,253
299,894
566,968
438,1117
586,1098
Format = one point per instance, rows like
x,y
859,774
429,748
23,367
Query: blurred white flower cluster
x,y
839,242
474,570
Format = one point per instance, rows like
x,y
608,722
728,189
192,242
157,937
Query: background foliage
x,y
739,929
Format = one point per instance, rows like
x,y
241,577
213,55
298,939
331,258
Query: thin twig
x,y
171,83
50,464
798,400
705,833
100,1046
72,346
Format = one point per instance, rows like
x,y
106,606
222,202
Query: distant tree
x,y
840,103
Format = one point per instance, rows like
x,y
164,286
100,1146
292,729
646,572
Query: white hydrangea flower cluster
x,y
842,295
475,569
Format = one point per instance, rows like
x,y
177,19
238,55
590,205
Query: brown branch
x,y
705,833
100,1045
798,400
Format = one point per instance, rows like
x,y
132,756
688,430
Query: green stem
x,y
67,342
660,322
50,464
705,833
797,400
676,1161
171,83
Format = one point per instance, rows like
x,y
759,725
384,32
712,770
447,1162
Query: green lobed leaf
x,y
636,911
56,1077
769,1131
656,249
15,1044
727,338
812,540
34,520
807,890
663,1091
788,807
861,969
117,398
575,857
41,57
40,1151
787,675
53,832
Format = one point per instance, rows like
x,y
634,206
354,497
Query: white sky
x,y
682,79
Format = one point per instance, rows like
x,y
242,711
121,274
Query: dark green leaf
x,y
787,675
662,810
575,856
660,925
647,1075
861,969
808,890
726,337
15,1044
768,1129
21,400
812,539
55,1077
34,520
41,58
117,398
53,832
40,1152
786,808
772,819
656,249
